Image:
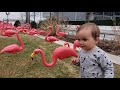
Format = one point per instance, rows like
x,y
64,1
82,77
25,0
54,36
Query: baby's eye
x,y
84,39
78,39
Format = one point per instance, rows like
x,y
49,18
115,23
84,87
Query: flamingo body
x,y
62,34
32,32
11,49
64,52
8,33
51,39
41,32
59,53
14,48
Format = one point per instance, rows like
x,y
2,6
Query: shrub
x,y
33,24
17,23
52,21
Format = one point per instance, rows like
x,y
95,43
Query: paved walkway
x,y
115,59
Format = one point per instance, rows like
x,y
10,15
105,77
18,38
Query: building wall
x,y
72,16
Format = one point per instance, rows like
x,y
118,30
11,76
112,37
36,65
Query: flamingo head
x,y
50,27
36,51
32,55
66,43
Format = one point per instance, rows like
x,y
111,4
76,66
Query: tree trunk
x,y
27,17
34,16
88,17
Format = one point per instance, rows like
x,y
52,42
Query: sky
x,y
19,16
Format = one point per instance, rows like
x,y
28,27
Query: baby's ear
x,y
97,40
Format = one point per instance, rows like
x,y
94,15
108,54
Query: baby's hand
x,y
74,61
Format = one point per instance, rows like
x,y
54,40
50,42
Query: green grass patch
x,y
20,65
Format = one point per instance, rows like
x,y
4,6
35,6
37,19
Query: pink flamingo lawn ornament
x,y
5,31
76,44
26,28
8,32
14,48
32,32
50,38
60,33
29,32
41,32
59,53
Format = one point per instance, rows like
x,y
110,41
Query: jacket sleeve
x,y
107,66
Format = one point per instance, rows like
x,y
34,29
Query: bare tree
x,y
88,16
27,17
34,14
50,14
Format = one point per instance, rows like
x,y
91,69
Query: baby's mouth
x,y
82,46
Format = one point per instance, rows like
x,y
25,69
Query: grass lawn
x,y
20,65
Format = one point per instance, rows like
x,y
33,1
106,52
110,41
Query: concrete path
x,y
115,59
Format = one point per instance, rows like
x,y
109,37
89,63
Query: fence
x,y
106,31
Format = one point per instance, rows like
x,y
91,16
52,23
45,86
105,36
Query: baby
x,y
93,61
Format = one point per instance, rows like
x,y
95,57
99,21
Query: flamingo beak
x,y
32,55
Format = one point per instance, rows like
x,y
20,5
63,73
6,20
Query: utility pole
x,y
7,13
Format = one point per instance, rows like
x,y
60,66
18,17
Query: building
x,y
82,16
106,15
71,16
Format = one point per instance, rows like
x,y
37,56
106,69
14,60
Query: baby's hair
x,y
95,31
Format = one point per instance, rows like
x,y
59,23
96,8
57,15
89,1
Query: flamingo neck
x,y
48,34
53,62
21,42
3,29
57,31
67,44
74,46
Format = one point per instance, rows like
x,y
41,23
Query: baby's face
x,y
85,39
